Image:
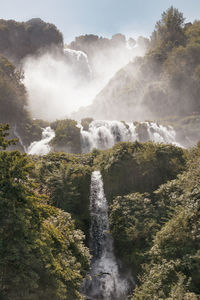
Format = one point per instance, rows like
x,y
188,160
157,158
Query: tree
x,y
4,143
19,39
67,136
172,271
169,31
42,255
133,220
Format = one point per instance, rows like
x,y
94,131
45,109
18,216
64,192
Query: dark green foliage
x,y
86,122
66,179
133,221
29,130
42,255
4,132
19,39
13,100
178,83
168,31
173,271
152,189
12,92
67,136
137,167
157,235
91,43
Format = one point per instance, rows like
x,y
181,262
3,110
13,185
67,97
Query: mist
x,y
60,83
54,88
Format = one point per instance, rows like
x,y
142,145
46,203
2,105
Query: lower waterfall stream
x,y
105,282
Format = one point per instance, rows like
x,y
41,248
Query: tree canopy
x,y
42,255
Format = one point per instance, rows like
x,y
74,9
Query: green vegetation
x,y
12,92
66,179
86,123
173,268
153,190
13,100
168,33
42,255
153,193
157,236
137,167
19,39
67,136
134,221
164,83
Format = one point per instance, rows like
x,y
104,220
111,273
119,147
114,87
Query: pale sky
x,y
101,17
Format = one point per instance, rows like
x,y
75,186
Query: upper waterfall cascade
x,y
105,134
79,59
105,281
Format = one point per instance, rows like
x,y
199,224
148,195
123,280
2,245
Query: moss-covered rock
x,y
86,123
142,132
67,136
138,167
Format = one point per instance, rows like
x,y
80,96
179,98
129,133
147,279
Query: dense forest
x,y
152,189
19,39
153,194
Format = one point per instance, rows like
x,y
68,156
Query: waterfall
x,y
161,134
79,59
79,55
105,282
104,134
42,147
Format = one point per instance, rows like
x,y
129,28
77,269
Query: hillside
x,y
162,84
19,39
102,203
153,197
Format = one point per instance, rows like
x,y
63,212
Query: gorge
x,y
100,163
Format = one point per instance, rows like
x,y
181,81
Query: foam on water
x,y
105,281
42,147
105,134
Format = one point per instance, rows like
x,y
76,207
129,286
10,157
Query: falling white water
x,y
53,80
105,282
42,147
105,134
161,134
77,54
80,60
